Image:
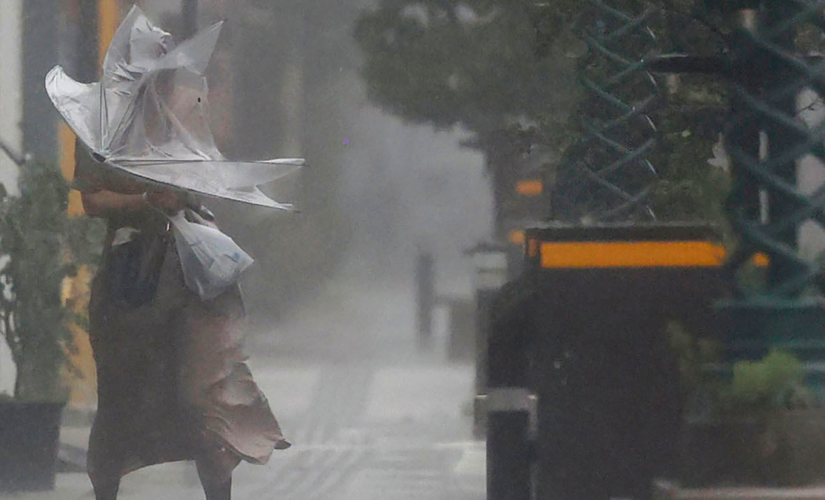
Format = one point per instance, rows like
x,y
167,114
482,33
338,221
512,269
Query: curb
x,y
666,490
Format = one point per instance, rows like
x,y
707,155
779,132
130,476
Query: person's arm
x,y
105,194
105,203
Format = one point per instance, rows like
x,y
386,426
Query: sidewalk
x,y
370,416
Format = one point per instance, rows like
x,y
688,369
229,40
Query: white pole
x,y
11,89
11,131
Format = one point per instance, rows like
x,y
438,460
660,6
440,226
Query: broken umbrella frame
x,y
148,118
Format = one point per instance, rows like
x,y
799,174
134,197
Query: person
x,y
172,379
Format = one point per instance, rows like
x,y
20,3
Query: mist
x,y
376,192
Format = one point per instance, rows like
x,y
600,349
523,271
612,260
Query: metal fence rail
x,y
607,175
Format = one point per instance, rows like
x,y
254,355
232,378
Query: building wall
x,y
11,88
40,54
811,174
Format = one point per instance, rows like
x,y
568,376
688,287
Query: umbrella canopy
x,y
148,115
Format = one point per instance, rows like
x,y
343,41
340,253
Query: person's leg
x,y
102,463
215,472
215,491
105,488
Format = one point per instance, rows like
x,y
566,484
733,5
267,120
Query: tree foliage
x,y
476,64
508,68
471,63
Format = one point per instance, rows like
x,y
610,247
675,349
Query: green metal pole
x,y
781,139
785,308
770,75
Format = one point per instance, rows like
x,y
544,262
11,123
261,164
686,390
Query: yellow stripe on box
x,y
532,187
631,254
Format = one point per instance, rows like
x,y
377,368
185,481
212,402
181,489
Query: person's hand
x,y
168,200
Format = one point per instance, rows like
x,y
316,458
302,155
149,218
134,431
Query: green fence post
x,y
770,71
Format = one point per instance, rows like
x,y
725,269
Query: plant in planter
x,y
773,383
775,427
41,246
752,423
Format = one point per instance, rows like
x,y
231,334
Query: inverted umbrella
x,y
148,116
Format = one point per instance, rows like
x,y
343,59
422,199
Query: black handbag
x,y
135,268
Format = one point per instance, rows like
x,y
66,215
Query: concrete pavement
x,y
369,415
669,491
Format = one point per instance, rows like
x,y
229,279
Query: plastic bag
x,y
211,260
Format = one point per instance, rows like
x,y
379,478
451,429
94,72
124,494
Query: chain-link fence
x,y
607,174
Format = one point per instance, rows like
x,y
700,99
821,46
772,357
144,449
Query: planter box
x,y
29,440
782,448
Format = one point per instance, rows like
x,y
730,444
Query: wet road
x,y
370,416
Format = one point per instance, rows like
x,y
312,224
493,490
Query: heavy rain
x,y
412,249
